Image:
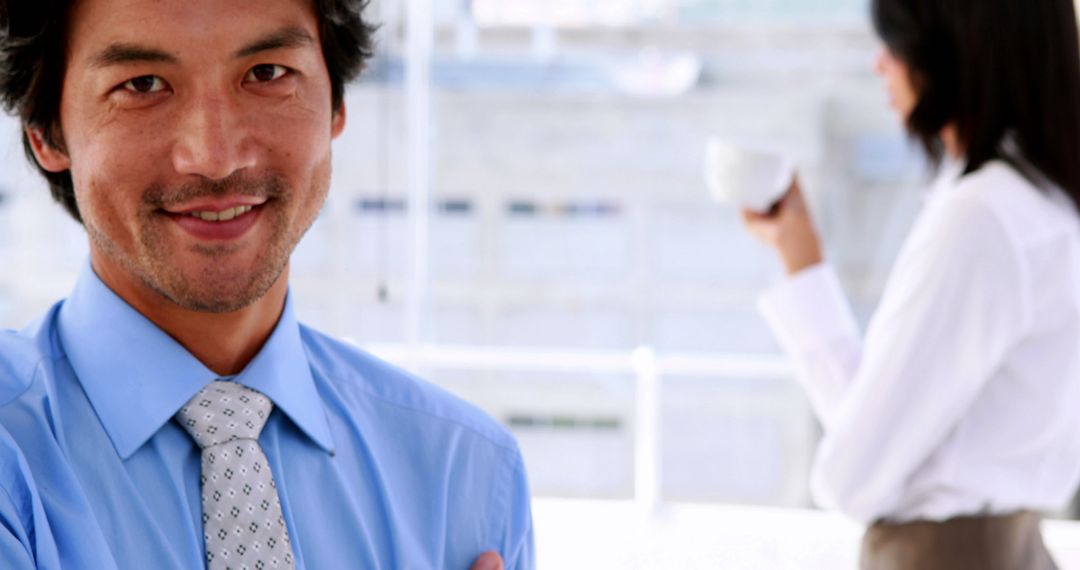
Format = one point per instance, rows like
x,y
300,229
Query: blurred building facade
x,y
570,215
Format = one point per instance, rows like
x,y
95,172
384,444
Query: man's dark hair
x,y
997,69
33,49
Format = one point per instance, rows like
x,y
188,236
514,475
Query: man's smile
x,y
221,216
206,222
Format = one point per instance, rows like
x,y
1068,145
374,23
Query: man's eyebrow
x,y
121,53
290,37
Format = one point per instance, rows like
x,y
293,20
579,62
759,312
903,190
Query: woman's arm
x,y
954,305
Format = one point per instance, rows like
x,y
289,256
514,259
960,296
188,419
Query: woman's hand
x,y
787,227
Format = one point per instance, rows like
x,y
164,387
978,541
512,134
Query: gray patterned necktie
x,y
242,520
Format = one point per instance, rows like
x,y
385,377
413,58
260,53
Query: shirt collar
x,y
949,173
137,377
952,168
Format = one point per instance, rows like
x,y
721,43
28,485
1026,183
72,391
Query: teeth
x,y
224,215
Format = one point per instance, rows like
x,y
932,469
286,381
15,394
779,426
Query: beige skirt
x,y
1007,542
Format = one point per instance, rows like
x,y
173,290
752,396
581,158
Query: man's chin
x,y
218,293
217,304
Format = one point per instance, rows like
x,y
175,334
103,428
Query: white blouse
x,y
964,396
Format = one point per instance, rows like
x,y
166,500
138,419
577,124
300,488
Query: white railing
x,y
646,366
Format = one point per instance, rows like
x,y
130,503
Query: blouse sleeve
x,y
954,305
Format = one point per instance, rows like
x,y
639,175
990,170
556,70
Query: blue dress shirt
x,y
375,468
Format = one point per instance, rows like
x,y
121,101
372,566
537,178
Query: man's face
x,y
198,137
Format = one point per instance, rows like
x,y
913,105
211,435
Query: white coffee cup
x,y
755,179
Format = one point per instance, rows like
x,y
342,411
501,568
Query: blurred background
x,y
518,213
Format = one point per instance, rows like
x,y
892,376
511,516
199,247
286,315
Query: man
x,y
171,413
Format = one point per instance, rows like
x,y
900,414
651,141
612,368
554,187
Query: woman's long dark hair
x,y
994,68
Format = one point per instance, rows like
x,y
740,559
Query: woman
x,y
956,417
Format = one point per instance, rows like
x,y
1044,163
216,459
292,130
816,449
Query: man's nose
x,y
212,139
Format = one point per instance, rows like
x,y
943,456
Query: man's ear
x,y
48,157
337,122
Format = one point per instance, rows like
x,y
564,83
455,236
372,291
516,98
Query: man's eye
x,y
265,72
145,84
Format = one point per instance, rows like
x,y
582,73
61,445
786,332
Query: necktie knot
x,y
224,411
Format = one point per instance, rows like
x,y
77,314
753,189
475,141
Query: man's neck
x,y
223,342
